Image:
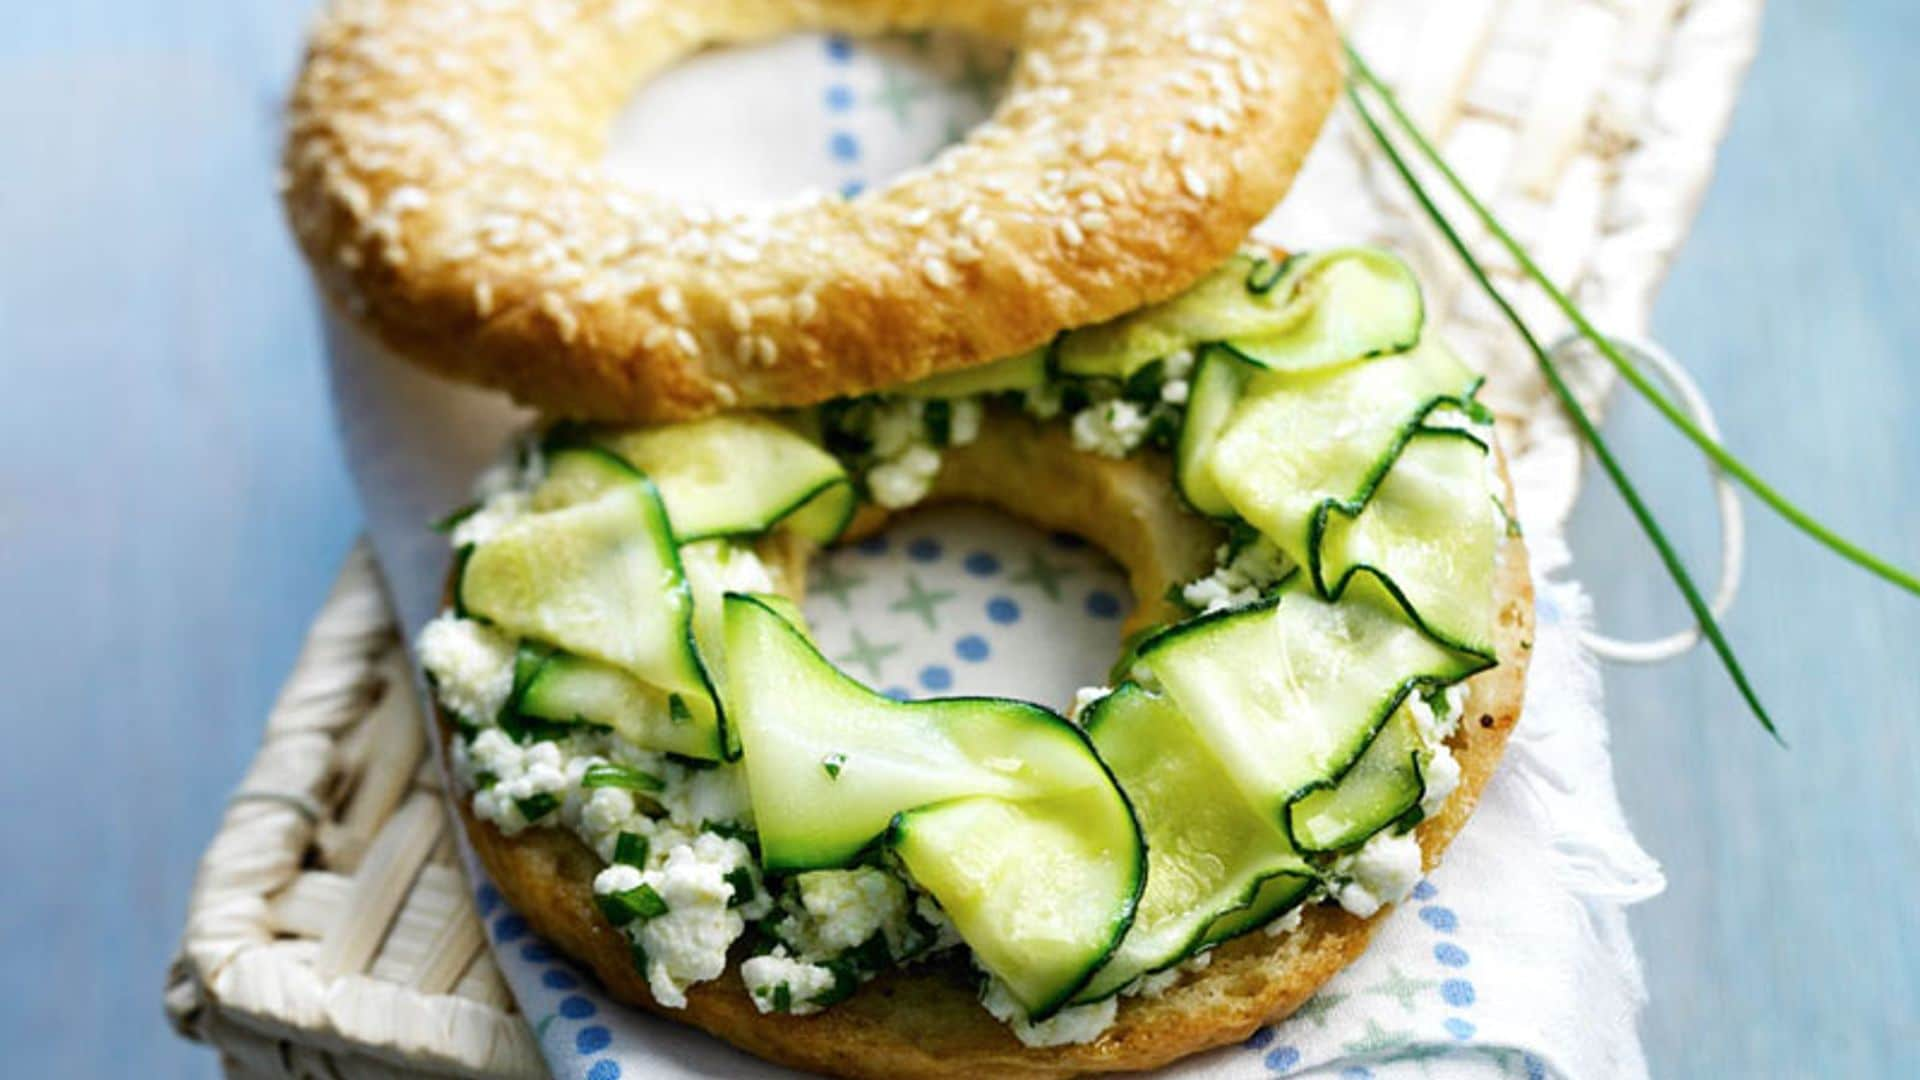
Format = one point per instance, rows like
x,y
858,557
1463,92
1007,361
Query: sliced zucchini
x,y
1379,790
577,474
1208,852
598,578
739,475
1272,899
1311,311
1301,439
1041,890
1013,374
998,808
1356,303
1218,380
1289,692
1426,533
574,689
1220,305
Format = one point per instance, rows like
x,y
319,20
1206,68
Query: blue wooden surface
x,y
172,508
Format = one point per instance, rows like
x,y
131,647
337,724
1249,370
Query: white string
x,y
1733,532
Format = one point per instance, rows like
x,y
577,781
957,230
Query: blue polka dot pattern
x,y
486,898
1259,1039
936,677
1451,955
556,979
592,1040
1003,610
604,1069
1425,891
537,952
576,1007
851,188
844,146
1102,604
925,549
1458,1028
839,49
1457,993
509,928
972,648
898,693
982,564
1441,919
839,97
1283,1058
1536,1069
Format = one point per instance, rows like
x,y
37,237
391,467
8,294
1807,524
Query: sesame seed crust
x,y
443,175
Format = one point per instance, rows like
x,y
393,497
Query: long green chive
x,y
1708,625
1728,463
639,902
535,807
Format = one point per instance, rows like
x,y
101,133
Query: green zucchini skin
x,y
994,806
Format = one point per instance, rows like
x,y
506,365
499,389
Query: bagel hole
x,y
966,600
743,125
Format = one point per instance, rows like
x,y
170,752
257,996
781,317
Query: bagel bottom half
x,y
924,1020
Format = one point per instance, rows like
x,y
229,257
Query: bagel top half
x,y
444,177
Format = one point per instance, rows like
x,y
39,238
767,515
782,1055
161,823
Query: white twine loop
x,y
1733,532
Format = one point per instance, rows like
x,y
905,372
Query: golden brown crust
x,y
442,174
926,1022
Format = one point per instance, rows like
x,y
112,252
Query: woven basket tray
x,y
330,931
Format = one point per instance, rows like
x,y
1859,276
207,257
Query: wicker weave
x,y
330,933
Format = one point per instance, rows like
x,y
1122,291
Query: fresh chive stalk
x,y
1701,612
609,774
1719,454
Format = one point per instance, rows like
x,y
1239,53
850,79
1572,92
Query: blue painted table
x,y
172,508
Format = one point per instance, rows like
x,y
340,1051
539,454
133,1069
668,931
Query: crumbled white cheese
x,y
699,797
519,773
840,909
471,665
1382,872
902,481
945,934
1287,923
1084,698
896,425
688,943
805,982
1109,428
1442,775
1238,578
1159,982
1176,371
1069,1026
963,421
495,514
617,878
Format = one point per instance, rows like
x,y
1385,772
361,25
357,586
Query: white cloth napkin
x,y
1513,959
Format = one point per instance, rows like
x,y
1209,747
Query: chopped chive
x,y
741,880
638,903
677,711
631,849
639,954
484,779
535,807
1719,454
782,998
938,416
832,763
608,774
452,521
1631,495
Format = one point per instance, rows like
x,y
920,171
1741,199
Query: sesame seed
x,y
1195,184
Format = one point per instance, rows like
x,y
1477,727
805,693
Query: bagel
x,y
928,1023
443,176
